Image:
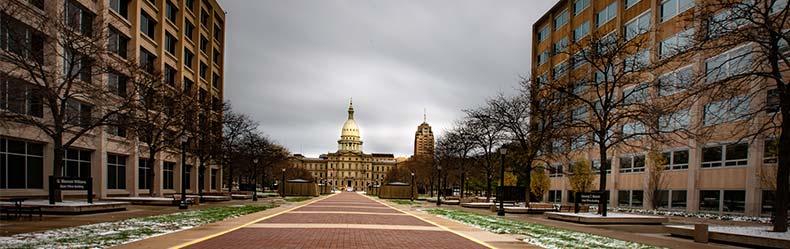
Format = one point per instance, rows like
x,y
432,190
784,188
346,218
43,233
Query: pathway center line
x,y
344,212
344,226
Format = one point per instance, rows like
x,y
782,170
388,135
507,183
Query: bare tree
x,y
235,127
488,136
459,143
602,86
54,75
744,45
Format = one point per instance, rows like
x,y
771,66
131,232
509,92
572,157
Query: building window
x,y
607,14
217,57
633,129
672,8
170,43
188,58
214,182
116,126
596,165
728,201
675,160
630,198
672,199
579,59
674,82
190,5
561,19
561,45
637,26
19,96
725,155
579,6
543,34
167,175
77,163
725,111
21,164
188,84
555,170
121,7
216,81
117,43
170,75
579,114
78,113
560,69
203,71
728,64
543,57
77,65
204,18
675,121
630,3
578,142
21,39
188,175
581,31
147,60
189,29
771,151
772,104
632,163
555,196
204,44
171,11
116,171
635,94
79,18
143,173
147,25
767,202
677,43
217,33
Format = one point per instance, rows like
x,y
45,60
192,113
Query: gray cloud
x,y
293,65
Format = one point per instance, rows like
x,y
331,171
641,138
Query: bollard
x,y
701,233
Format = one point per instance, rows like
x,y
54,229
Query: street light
x,y
255,180
183,204
282,187
501,211
439,181
412,186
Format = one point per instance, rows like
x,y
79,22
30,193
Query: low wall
x,y
396,192
301,189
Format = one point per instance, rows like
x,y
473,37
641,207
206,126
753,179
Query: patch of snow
x,y
45,203
764,220
754,231
608,215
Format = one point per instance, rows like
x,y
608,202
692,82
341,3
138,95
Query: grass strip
x,y
297,199
107,234
537,234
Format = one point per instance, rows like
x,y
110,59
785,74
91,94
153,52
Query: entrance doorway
x,y
348,184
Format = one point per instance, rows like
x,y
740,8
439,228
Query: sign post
x,y
70,183
589,198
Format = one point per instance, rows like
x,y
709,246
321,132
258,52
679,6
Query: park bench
x,y
18,210
569,208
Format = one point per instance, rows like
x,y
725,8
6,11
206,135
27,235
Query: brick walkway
x,y
346,220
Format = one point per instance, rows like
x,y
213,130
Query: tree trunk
x,y
602,176
528,181
230,178
151,173
488,185
57,164
783,169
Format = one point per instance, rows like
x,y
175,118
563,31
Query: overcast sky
x,y
293,65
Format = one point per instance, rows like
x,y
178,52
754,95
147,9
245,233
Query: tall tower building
x,y
423,139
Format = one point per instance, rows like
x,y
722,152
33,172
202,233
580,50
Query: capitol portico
x,y
349,167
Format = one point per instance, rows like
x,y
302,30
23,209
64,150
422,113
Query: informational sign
x,y
513,194
589,198
57,183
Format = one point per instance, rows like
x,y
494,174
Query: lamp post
x,y
282,187
412,186
183,203
439,187
501,211
255,179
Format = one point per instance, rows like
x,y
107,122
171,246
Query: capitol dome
x,y
350,139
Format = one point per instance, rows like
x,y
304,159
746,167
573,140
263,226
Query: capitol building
x,y
349,167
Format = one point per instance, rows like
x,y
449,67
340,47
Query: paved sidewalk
x,y
346,220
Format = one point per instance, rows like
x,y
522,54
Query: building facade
x,y
348,167
184,39
423,139
720,175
